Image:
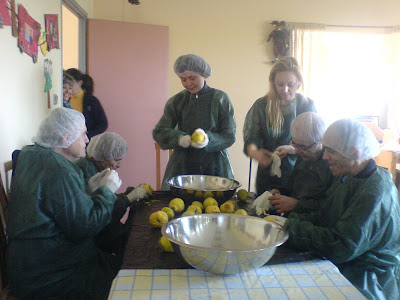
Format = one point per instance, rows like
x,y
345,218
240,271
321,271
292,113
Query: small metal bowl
x,y
222,243
199,187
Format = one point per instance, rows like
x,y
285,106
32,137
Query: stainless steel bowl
x,y
198,187
222,243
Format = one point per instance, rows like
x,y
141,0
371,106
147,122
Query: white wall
x,y
231,35
22,100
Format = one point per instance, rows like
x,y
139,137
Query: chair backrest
x,y
158,164
387,159
8,167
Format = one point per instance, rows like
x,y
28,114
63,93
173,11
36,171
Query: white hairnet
x,y
308,127
349,137
107,146
192,63
60,129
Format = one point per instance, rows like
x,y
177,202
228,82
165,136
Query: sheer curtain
x,y
305,45
394,105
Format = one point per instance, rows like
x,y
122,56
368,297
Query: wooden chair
x,y
158,164
387,160
5,292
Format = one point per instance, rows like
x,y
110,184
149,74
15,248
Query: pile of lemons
x,y
208,205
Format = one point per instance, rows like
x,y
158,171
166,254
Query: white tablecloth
x,y
315,279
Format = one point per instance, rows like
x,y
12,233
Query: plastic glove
x,y
276,166
94,181
184,141
111,180
200,144
262,203
137,194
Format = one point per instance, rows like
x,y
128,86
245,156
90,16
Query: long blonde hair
x,y
273,108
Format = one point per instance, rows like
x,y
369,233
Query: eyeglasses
x,y
300,147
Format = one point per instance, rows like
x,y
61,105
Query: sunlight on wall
x,y
70,25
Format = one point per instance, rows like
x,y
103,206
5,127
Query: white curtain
x,y
305,45
394,105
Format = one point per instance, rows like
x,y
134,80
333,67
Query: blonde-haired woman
x,y
267,126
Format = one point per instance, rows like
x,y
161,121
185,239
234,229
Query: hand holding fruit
x,y
199,139
184,141
111,180
137,194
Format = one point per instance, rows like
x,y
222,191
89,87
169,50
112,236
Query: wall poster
x,y
4,14
28,33
52,35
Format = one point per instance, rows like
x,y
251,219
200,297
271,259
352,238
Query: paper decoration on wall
x,y
28,33
51,22
281,38
43,43
48,72
4,14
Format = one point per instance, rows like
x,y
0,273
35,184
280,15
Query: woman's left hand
x,y
283,204
284,150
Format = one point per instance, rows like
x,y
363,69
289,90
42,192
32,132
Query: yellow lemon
x,y
271,218
169,211
241,212
177,205
198,137
227,207
198,195
212,209
208,194
147,187
188,213
209,201
158,218
197,210
198,203
165,244
242,194
232,202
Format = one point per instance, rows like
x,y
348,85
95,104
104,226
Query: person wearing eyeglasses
x,y
267,125
358,224
311,177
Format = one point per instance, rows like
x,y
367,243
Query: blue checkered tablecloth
x,y
314,279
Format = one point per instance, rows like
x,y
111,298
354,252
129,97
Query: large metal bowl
x,y
198,187
223,243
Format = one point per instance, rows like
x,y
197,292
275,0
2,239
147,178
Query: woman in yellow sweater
x,y
82,100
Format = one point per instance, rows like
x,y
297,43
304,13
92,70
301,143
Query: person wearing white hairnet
x,y
53,221
106,151
358,225
311,177
266,130
198,108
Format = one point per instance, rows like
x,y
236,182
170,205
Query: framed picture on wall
x,y
52,35
4,14
28,33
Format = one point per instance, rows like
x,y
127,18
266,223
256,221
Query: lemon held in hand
x,y
198,137
165,244
147,187
158,218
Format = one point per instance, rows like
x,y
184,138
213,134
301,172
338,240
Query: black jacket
x,y
96,120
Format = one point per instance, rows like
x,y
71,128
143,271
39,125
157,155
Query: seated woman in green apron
x,y
201,109
358,225
53,221
105,151
267,125
311,177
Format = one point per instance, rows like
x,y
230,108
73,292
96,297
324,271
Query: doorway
x,y
74,20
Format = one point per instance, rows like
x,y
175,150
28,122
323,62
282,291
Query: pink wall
x,y
129,65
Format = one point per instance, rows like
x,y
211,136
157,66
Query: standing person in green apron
x,y
202,109
267,126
